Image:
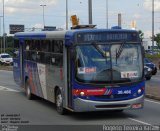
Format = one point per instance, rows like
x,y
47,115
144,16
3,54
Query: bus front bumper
x,y
81,105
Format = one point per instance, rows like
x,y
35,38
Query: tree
x,y
157,39
141,35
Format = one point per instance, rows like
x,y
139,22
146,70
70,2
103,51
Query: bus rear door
x,y
18,62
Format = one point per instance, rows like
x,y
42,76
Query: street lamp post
x,y
90,11
43,14
4,39
152,25
66,14
0,34
107,14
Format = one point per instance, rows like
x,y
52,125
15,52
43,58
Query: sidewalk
x,y
153,91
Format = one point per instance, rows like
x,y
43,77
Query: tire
x,y
148,78
59,103
28,91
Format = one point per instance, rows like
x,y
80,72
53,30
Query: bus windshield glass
x,y
109,63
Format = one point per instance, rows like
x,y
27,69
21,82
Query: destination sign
x,y
104,37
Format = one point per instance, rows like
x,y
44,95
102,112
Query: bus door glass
x,y
70,74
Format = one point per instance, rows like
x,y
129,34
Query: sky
x,y
30,13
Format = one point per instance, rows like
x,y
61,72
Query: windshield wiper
x,y
98,49
119,52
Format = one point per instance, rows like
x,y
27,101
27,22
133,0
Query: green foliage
x,y
157,39
9,51
141,35
9,41
152,56
9,45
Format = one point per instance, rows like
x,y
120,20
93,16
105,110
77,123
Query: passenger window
x,y
57,60
38,45
57,46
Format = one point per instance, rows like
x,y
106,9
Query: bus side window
x,y
32,45
52,45
46,45
27,45
58,46
43,45
57,60
33,56
41,57
49,46
27,55
38,45
47,58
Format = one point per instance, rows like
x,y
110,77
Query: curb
x,y
152,97
6,68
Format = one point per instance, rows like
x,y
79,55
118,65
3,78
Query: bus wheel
x,y
28,91
59,102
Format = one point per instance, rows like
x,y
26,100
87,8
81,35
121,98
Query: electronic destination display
x,y
107,37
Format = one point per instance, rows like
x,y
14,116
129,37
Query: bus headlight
x,y
139,91
82,93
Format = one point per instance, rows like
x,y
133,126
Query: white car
x,y
6,59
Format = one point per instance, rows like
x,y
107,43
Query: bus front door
x,y
70,77
18,64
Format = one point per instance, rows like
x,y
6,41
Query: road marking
x,y
2,88
155,127
152,101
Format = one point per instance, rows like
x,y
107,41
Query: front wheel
x,y
59,102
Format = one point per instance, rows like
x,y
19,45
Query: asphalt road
x,y
15,109
155,80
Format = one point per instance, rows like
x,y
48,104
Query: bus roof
x,y
67,35
43,34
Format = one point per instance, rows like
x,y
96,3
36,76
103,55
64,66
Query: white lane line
x,y
2,88
152,101
144,123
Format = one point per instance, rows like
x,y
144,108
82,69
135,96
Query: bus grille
x,y
112,106
112,97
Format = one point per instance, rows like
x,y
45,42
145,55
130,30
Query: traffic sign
x,y
16,28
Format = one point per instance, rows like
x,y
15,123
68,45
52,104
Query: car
x,y
150,64
6,59
147,72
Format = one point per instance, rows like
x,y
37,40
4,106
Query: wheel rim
x,y
28,91
59,100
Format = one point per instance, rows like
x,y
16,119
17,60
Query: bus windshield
x,y
109,63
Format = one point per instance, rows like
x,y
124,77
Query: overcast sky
x,y
30,13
